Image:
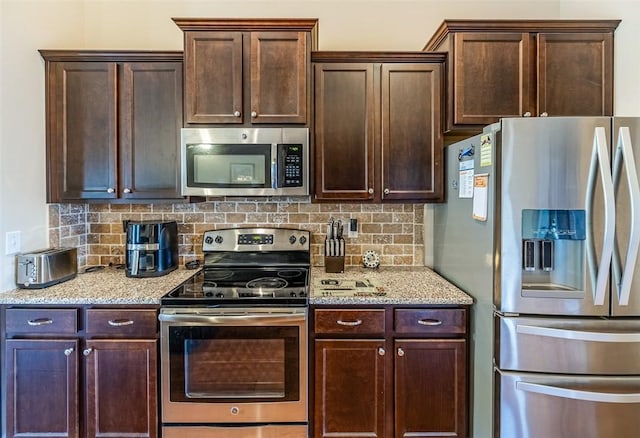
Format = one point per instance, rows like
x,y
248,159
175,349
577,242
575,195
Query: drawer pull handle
x,y
40,321
87,351
381,351
120,322
68,351
430,322
400,352
349,323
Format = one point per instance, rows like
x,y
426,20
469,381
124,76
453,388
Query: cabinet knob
x,y
236,113
111,190
527,114
127,190
87,351
68,351
400,352
370,191
254,114
387,191
544,114
381,351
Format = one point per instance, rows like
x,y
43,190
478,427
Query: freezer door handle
x,y
577,335
600,162
554,391
624,153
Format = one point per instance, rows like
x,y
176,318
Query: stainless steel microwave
x,y
245,161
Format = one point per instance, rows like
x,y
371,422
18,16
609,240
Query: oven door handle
x,y
226,319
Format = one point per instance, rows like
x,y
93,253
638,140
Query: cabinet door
x,y
213,77
575,74
430,388
344,131
150,122
412,165
492,77
42,388
279,70
121,388
82,130
349,388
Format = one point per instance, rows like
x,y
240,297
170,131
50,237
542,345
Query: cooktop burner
x,y
257,266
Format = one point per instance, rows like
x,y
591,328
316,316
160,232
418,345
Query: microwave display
x,y
241,162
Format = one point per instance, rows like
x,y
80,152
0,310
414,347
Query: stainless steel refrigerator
x,y
541,225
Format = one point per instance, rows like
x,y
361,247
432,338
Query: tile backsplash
x,y
395,231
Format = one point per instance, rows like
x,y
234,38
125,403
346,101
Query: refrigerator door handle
x,y
554,391
624,153
577,335
600,162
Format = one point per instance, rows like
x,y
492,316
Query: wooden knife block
x,y
333,264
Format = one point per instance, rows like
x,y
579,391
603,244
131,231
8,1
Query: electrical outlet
x,y
352,232
12,242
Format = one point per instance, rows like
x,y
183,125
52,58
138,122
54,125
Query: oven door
x,y
232,365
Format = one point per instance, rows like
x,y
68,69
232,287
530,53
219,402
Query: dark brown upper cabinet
x,y
113,124
247,71
521,68
378,126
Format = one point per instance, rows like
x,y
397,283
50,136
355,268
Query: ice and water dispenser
x,y
553,244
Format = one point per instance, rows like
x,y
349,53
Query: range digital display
x,y
255,239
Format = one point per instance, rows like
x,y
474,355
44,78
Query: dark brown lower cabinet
x,y
42,388
350,377
389,372
121,388
65,382
430,387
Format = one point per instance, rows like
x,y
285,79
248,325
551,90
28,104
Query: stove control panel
x,y
256,239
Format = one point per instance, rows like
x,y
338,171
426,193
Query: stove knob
x,y
219,240
293,294
208,240
208,294
303,240
219,295
292,239
303,294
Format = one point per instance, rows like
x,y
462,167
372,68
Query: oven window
x,y
223,166
214,364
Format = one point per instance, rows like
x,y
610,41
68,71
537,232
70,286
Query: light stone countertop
x,y
410,285
105,286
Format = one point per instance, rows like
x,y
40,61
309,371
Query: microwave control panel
x,y
290,164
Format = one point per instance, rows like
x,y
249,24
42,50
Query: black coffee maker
x,y
152,248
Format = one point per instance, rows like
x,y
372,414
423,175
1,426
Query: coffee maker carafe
x,y
152,248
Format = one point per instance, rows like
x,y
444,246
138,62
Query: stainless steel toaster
x,y
46,267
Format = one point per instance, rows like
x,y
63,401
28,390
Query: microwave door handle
x,y
624,152
275,161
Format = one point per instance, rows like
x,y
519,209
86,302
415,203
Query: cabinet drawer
x,y
430,321
42,321
139,323
366,321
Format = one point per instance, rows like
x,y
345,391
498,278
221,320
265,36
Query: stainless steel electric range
x,y
234,340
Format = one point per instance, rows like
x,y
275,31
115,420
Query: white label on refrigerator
x,y
466,179
480,196
486,158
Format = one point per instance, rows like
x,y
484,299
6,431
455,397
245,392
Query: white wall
x,y
28,25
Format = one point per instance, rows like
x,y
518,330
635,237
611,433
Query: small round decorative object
x,y
370,259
